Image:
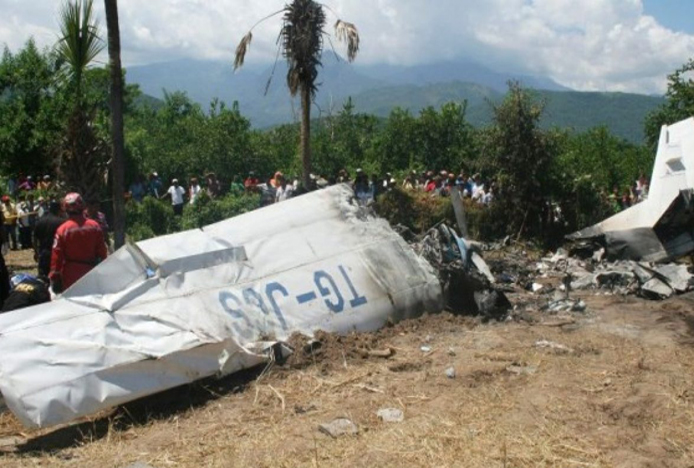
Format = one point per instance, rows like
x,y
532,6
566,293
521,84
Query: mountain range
x,y
376,89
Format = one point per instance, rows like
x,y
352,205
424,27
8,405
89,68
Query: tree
x,y
521,156
81,155
446,139
679,103
301,42
118,157
31,111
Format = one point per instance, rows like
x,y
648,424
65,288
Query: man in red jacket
x,y
78,247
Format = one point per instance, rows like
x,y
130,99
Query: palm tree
x,y
301,42
81,155
118,159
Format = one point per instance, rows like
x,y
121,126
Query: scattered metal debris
x,y
467,281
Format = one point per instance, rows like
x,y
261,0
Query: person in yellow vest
x,y
9,225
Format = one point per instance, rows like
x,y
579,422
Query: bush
x,y
156,215
153,218
139,232
418,211
207,211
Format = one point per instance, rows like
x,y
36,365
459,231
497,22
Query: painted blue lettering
x,y
270,289
357,299
320,278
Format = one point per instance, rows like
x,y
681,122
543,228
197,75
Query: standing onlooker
x,y
93,212
45,184
236,188
27,213
137,189
276,179
251,182
27,185
267,193
44,235
193,189
155,185
41,208
176,192
4,274
362,189
213,188
284,190
9,225
79,245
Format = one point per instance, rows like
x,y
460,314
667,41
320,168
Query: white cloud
x,y
587,44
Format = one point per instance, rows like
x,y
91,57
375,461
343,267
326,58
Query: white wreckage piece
x,y
175,309
659,228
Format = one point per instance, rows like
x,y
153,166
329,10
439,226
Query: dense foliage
x,y
547,182
679,103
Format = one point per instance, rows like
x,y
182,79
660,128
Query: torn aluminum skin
x,y
661,227
178,308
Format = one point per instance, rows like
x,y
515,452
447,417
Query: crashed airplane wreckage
x,y
175,309
660,228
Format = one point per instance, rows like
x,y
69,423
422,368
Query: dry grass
x,y
622,398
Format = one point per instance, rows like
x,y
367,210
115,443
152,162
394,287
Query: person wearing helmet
x,y
78,246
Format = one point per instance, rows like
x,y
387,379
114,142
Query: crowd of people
x,y
630,196
67,237
279,187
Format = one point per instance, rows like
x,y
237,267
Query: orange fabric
x,y
78,247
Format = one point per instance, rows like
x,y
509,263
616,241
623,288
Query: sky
x,y
592,45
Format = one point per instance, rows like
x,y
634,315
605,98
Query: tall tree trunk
x,y
306,134
118,159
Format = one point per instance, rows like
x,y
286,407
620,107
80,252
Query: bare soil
x,y
617,392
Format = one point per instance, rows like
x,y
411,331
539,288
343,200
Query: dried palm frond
x,y
242,49
347,32
301,40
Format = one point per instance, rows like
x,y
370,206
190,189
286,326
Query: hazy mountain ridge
x,y
377,89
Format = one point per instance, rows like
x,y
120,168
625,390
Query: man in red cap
x,y
78,247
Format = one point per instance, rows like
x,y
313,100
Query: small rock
x,y
298,409
381,353
451,352
554,346
390,415
339,427
425,349
450,373
521,370
139,464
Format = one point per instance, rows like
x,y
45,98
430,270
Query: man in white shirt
x,y
176,193
284,190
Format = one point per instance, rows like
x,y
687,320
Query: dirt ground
x,y
612,386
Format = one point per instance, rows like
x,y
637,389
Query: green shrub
x,y
140,232
418,211
207,211
155,214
